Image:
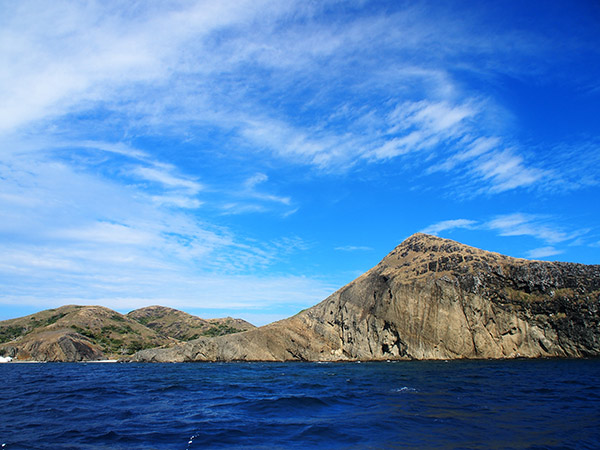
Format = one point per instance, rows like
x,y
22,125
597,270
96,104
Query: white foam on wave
x,y
404,389
190,442
102,361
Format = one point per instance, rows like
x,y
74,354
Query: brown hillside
x,y
183,326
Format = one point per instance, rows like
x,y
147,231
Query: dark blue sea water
x,y
545,404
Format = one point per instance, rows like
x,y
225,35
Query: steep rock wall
x,y
430,298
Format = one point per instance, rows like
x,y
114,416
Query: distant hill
x,y
430,298
82,333
185,327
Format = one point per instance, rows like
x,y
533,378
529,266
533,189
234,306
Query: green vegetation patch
x,y
144,320
220,330
9,333
124,329
114,345
84,332
37,323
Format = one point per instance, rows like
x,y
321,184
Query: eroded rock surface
x,y
430,298
56,345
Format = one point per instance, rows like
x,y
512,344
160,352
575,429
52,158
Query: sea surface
x,y
520,404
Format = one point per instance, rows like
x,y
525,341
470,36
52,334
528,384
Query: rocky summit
x,y
430,298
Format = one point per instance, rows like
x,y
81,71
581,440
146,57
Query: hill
x,y
75,333
430,298
84,333
183,326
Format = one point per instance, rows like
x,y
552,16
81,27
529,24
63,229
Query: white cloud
x,y
507,171
252,192
177,201
163,68
75,53
519,224
118,148
255,179
105,233
539,227
253,297
75,236
446,225
543,252
164,176
473,149
420,125
353,248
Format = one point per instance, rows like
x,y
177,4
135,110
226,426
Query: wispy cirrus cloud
x,y
169,69
447,225
80,237
353,248
514,224
251,190
543,252
164,175
539,227
421,125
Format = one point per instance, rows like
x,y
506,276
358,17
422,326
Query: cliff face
x,y
430,298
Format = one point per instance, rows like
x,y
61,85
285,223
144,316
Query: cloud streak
x,y
534,226
447,225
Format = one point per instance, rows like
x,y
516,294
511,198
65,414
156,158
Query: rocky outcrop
x,y
52,346
430,298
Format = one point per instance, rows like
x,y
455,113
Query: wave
x,y
405,389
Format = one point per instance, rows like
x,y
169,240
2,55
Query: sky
x,y
248,158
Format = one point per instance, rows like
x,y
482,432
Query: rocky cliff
x,y
430,298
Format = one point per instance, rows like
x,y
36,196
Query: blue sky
x,y
248,158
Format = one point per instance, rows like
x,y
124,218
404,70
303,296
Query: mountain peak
x,y
430,298
422,254
422,242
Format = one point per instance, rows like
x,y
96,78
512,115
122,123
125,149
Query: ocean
x,y
516,404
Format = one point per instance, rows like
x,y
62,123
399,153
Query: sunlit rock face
x,y
430,298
